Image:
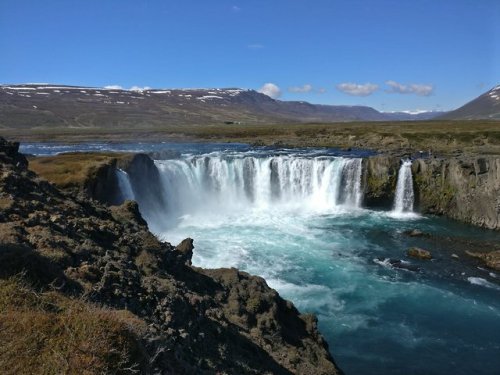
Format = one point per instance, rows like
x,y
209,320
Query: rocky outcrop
x,y
490,260
145,180
191,320
94,175
463,188
418,253
91,175
379,179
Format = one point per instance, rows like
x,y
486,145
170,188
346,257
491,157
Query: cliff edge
x,y
464,188
84,287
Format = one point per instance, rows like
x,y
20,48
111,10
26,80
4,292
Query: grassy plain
x,y
445,137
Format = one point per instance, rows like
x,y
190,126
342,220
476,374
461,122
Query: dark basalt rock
x,y
490,260
185,250
465,188
418,253
196,321
379,179
415,233
10,153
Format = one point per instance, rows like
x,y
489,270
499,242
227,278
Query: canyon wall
x,y
462,188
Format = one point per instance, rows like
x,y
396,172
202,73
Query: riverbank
x,y
399,138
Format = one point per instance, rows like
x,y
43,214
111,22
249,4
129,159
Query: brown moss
x,y
6,203
72,169
48,333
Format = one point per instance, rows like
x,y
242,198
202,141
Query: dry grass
x,y
480,136
71,169
48,333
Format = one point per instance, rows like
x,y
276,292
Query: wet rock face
x,y
198,321
145,180
462,188
380,178
466,189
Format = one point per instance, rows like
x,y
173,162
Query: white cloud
x,y
321,90
235,8
412,88
357,89
113,87
270,89
137,88
300,89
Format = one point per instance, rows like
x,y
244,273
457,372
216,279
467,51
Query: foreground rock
x,y
65,259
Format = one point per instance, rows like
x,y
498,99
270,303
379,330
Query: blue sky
x,y
388,54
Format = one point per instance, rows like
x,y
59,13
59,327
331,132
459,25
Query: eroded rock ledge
x,y
61,249
463,188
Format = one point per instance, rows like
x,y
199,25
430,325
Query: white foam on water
x,y
482,282
215,183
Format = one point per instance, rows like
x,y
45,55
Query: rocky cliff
x,y
380,175
463,188
88,288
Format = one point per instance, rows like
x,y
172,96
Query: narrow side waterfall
x,y
125,185
403,201
351,183
216,182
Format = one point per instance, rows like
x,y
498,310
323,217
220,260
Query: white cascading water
x,y
220,183
403,201
124,185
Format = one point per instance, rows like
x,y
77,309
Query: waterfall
x,y
227,182
351,183
124,184
403,201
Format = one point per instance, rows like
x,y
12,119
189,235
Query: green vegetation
x,y
479,136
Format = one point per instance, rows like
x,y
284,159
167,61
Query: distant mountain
x,y
486,106
46,106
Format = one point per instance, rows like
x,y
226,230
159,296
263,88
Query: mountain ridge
x,y
485,107
50,105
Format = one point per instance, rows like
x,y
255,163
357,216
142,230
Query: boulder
x,y
490,260
414,233
418,253
185,251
